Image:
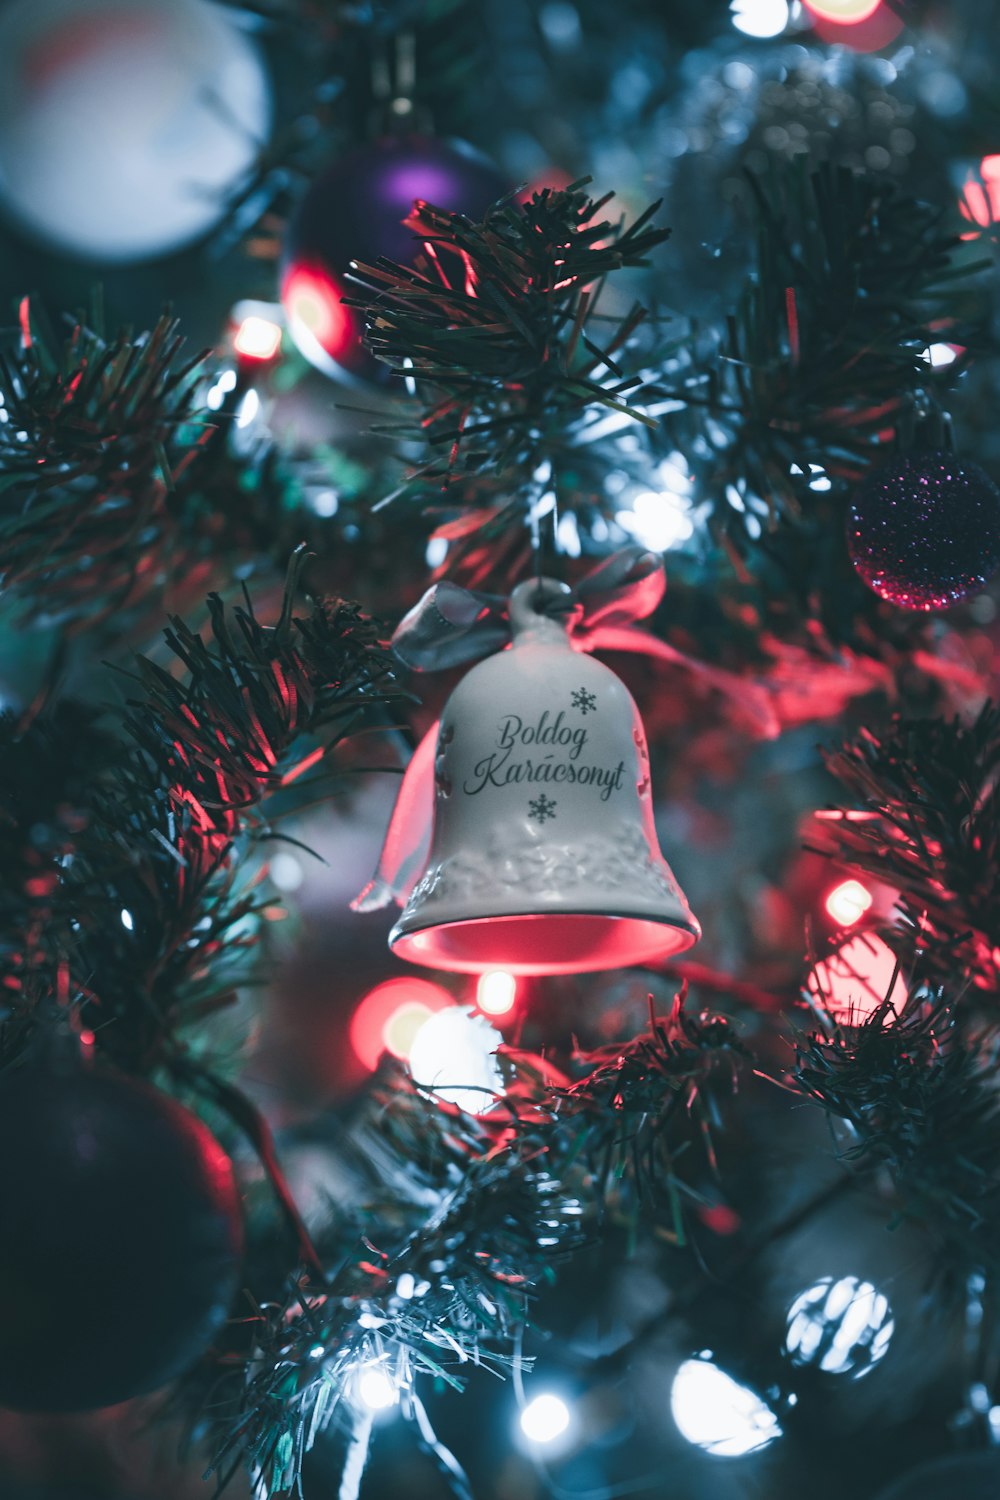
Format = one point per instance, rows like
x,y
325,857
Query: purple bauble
x,y
355,211
924,530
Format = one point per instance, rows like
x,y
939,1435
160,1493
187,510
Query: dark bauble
x,y
120,1238
355,211
966,1476
924,530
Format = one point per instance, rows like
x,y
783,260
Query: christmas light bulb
x,y
848,902
496,992
841,1326
454,1056
258,338
545,1418
376,1389
980,198
760,18
717,1414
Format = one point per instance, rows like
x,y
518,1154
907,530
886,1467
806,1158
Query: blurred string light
x,y
257,338
841,1326
285,871
979,202
496,992
940,356
248,408
453,1055
436,552
324,503
390,1016
545,1419
717,1414
660,519
221,389
375,1388
760,18
818,478
853,982
848,902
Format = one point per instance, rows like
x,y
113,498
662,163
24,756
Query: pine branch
x,y
921,1097
853,280
476,1212
922,813
147,900
496,326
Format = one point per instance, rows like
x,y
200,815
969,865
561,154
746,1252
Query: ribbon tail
x,y
753,700
407,839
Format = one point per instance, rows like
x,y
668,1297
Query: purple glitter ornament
x,y
355,211
924,530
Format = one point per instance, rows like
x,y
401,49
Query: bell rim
x,y
401,936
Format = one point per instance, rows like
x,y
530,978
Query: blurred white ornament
x,y
125,124
454,1055
716,1413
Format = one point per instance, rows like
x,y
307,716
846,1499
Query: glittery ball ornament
x,y
924,530
354,211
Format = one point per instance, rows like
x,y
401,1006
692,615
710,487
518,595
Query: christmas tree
x,y
499,760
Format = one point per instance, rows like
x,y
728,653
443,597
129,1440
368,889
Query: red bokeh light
x,y
319,321
862,33
848,902
980,197
390,1015
854,980
843,12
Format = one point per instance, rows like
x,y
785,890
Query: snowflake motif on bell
x,y
541,808
583,700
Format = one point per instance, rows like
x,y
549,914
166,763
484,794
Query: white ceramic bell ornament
x,y
544,857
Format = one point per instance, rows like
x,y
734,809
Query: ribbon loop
x,y
451,626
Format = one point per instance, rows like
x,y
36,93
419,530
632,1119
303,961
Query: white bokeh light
x,y
454,1056
760,18
545,1418
496,992
657,520
376,1389
842,1327
939,356
285,871
716,1413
